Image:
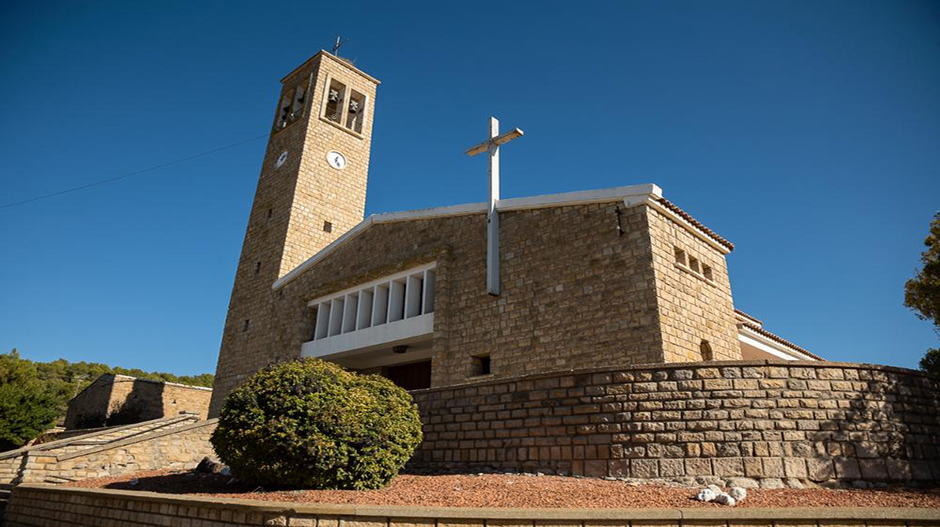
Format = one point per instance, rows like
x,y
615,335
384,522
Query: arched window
x,y
706,349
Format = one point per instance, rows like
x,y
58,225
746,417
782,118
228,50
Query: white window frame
x,y
394,308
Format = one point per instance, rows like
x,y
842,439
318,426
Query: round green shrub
x,y
311,424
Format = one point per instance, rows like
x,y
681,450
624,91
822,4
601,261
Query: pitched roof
x,y
745,315
631,195
776,338
698,225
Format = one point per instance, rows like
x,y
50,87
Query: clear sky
x,y
806,132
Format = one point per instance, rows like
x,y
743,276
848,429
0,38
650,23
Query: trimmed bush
x,y
311,424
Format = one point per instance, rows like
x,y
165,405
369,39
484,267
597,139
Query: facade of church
x,y
601,278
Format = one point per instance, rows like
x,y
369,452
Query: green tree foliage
x,y
312,424
31,391
80,374
930,363
28,405
922,293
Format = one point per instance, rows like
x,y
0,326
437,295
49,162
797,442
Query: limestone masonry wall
x,y
44,506
292,206
119,399
575,292
768,421
170,443
691,307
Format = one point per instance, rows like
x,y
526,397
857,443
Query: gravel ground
x,y
504,490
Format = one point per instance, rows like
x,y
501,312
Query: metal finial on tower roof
x,y
339,42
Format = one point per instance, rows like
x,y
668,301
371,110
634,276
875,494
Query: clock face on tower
x,y
336,160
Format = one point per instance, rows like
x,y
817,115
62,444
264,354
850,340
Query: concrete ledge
x,y
54,493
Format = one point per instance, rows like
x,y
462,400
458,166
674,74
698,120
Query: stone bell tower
x,y
312,189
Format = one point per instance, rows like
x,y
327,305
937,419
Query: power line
x,y
136,173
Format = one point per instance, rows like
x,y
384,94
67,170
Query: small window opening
x,y
335,96
707,271
680,256
284,110
693,264
480,365
356,111
297,108
247,323
327,226
270,213
706,349
257,267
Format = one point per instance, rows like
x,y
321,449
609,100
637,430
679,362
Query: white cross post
x,y
491,145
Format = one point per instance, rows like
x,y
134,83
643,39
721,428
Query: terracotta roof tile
x,y
745,315
695,223
785,342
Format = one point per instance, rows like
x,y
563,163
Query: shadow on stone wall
x,y
143,403
760,422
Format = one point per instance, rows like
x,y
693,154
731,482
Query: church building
x,y
611,277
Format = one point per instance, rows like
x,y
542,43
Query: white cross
x,y
491,145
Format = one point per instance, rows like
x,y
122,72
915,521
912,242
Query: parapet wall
x,y
770,421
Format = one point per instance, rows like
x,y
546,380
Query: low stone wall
x,y
120,399
172,443
758,420
47,506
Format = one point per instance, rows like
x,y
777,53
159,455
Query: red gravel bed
x,y
504,490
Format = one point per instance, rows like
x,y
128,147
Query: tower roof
x,y
330,56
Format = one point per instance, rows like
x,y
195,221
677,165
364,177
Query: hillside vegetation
x,y
34,395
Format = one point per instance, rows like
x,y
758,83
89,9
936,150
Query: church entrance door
x,y
412,376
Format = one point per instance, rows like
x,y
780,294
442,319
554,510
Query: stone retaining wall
x,y
47,506
172,443
766,421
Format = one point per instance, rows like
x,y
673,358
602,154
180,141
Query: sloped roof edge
x,y
778,339
632,195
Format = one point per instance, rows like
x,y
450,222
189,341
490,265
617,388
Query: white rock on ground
x,y
738,493
706,494
725,499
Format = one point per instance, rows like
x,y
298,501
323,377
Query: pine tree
x,y
922,293
28,406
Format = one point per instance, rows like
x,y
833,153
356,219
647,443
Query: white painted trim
x,y
375,337
373,283
297,271
698,233
436,212
631,195
767,345
581,197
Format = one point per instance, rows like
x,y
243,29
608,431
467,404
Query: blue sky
x,y
806,132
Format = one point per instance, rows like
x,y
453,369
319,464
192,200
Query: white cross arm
x,y
498,140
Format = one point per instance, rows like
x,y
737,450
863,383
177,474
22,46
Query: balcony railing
x,y
393,308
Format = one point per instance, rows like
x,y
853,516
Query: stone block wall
x,y
291,207
575,292
120,399
767,421
691,306
170,443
